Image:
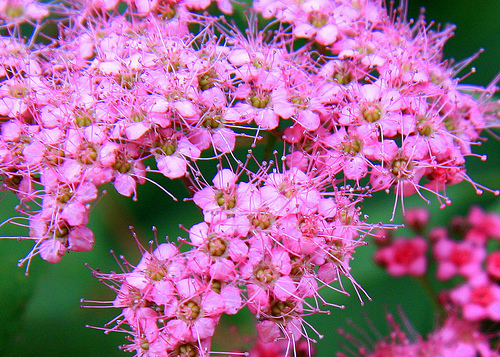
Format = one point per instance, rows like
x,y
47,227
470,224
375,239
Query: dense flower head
x,y
357,98
265,251
117,90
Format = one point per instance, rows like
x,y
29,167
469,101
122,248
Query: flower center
x,y
88,154
461,256
14,11
424,126
401,167
18,90
137,116
189,310
156,272
207,80
216,247
211,122
482,295
225,200
216,286
405,255
286,189
281,308
260,100
122,164
264,274
167,148
186,350
54,155
262,220
127,80
352,147
372,113
166,11
317,19
65,195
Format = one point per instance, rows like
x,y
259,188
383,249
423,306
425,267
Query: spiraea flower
x,y
357,99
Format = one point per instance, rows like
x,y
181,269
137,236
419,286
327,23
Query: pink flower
x,y
314,20
417,219
173,162
479,299
289,193
464,258
21,10
403,257
493,265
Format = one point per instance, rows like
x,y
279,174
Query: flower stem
x,y
425,283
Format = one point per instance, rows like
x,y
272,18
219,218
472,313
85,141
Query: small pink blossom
x,y
404,257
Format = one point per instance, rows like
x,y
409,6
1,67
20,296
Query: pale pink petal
x,y
258,298
178,329
232,299
328,272
238,250
198,234
144,6
284,287
75,214
213,303
225,6
125,185
80,239
34,152
172,166
213,98
163,293
268,331
203,328
267,119
185,108
224,140
308,119
327,34
304,30
135,130
186,148
52,250
474,312
187,288
281,261
11,130
222,270
355,168
224,179
71,170
165,251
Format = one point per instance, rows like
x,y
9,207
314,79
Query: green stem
x,y
431,293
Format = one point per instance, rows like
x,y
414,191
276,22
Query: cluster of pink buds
x,y
359,99
469,251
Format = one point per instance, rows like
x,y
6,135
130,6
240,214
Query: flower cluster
x,y
115,90
360,100
468,249
264,244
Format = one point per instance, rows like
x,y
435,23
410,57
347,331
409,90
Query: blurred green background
x,y
40,315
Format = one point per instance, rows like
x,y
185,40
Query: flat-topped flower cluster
x,y
359,99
